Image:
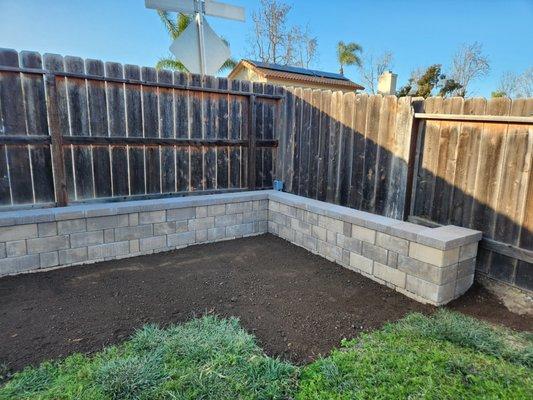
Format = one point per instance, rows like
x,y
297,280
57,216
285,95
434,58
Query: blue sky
x,y
419,33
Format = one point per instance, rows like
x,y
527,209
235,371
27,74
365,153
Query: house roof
x,y
295,74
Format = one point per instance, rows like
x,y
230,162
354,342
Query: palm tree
x,y
347,54
175,28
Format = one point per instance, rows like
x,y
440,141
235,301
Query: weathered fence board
x,y
125,131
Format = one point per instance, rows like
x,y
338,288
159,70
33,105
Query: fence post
x,y
251,143
60,184
415,149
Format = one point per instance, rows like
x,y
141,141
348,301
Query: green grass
x,y
446,356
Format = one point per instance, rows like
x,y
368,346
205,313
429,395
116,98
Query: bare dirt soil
x,y
297,304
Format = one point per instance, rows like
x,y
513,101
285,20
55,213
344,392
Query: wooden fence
x,y
433,161
79,130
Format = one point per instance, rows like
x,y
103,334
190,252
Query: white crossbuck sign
x,y
199,39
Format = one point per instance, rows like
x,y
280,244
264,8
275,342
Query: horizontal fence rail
x,y
76,130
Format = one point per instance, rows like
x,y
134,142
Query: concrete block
x,y
463,284
311,218
71,226
250,216
100,223
16,248
72,256
427,272
468,251
215,210
240,230
165,228
362,263
331,237
345,258
239,208
349,243
319,232
214,234
273,228
152,243
123,220
133,232
392,259
331,224
228,220
151,217
19,264
46,244
18,232
436,294
181,239
134,246
447,237
286,233
108,250
201,212
388,274
181,214
201,223
329,251
364,234
430,255
309,242
261,227
258,205
109,236
47,229
466,267
273,206
3,250
181,226
133,219
396,244
375,253
48,260
347,229
201,236
86,238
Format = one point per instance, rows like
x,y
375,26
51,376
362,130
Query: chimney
x,y
387,83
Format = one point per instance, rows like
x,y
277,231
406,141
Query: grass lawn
x,y
446,356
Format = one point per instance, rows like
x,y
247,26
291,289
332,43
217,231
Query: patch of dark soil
x,y
297,304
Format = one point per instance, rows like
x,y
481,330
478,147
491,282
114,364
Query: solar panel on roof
x,y
298,70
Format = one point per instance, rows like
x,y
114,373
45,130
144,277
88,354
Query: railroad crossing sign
x,y
198,39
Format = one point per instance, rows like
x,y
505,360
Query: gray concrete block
x,y
448,237
100,223
214,234
240,230
331,224
134,246
151,217
47,229
349,243
396,244
361,263
273,228
16,248
3,250
165,228
427,272
364,234
392,259
18,232
347,229
468,251
181,239
181,214
331,237
19,264
260,227
152,243
86,238
109,236
463,284
375,253
133,232
286,233
388,274
466,267
431,255
436,294
48,260
71,226
236,208
133,219
201,236
228,220
201,223
319,232
73,256
329,251
42,245
108,250
215,210
201,212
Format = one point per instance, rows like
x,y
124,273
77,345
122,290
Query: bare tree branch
x,y
372,68
469,64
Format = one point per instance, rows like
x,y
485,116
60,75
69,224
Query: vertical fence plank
x,y
209,119
357,175
182,104
346,148
370,152
116,111
151,130
166,109
37,124
235,133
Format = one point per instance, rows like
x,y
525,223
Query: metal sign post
x,y
198,39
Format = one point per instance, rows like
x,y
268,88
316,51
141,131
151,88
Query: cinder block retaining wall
x,y
432,265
